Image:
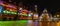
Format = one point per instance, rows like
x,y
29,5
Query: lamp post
x,y
35,17
36,8
35,12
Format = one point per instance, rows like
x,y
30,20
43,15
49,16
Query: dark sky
x,y
52,6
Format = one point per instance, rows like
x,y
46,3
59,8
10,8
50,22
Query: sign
x,y
0,9
8,12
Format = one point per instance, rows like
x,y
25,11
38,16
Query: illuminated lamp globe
x,y
58,15
11,10
29,14
20,9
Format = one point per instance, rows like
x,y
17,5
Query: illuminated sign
x,y
8,12
0,9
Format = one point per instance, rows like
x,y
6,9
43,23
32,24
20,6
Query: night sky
x,y
52,6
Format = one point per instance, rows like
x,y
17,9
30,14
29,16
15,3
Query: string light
x,y
8,12
4,11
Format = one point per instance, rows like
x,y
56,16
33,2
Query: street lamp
x,y
57,15
36,8
20,8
